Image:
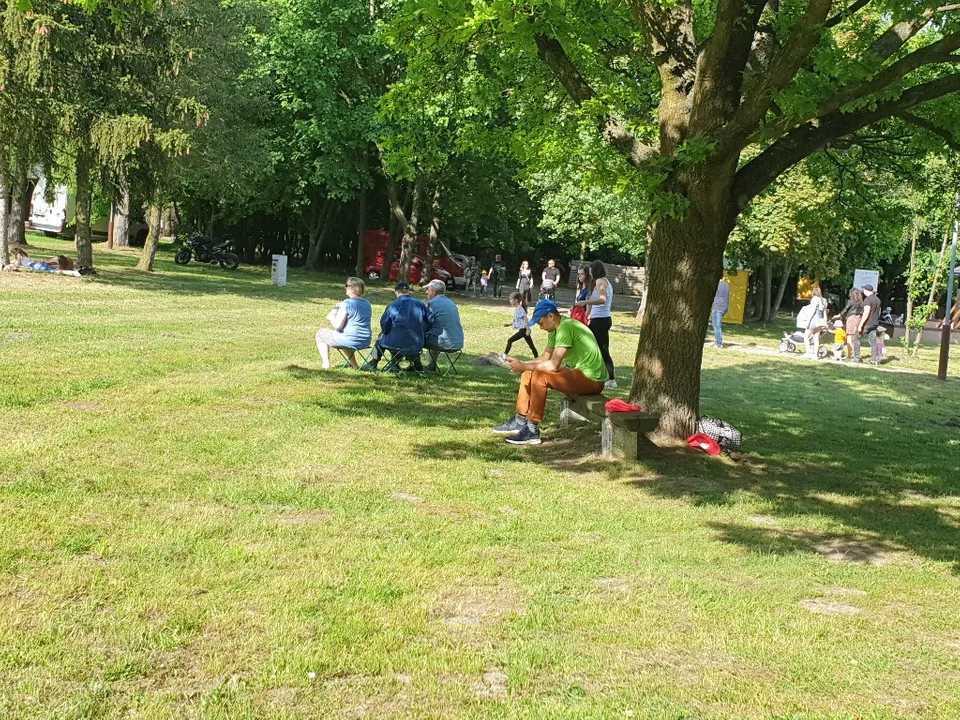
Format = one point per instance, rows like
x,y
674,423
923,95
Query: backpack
x,y
725,434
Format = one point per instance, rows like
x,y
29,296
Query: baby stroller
x,y
793,342
548,290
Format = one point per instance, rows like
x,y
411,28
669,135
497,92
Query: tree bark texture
x,y
17,215
767,288
913,262
4,244
84,169
409,246
781,288
149,252
434,237
121,218
685,263
318,225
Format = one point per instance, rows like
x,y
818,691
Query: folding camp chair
x,y
362,355
398,362
452,356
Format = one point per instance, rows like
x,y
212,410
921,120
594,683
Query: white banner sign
x,y
866,277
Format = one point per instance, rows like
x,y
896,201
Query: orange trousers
x,y
532,400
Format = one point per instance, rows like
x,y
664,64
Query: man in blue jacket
x,y
403,328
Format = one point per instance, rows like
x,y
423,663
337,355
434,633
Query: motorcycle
x,y
206,251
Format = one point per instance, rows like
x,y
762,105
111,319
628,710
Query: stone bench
x,y
620,432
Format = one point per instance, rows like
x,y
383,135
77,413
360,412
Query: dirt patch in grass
x,y
823,606
81,405
18,337
478,606
294,516
406,497
613,585
854,551
493,684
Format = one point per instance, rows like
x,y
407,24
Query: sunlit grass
x,y
195,520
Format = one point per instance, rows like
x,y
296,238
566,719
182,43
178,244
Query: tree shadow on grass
x,y
874,455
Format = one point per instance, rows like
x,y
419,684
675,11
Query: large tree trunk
x,y
434,237
781,288
84,168
685,263
121,218
18,209
149,252
4,244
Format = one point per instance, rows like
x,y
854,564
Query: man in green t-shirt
x,y
568,341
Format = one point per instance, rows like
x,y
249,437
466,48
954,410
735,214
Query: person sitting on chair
x,y
568,341
350,321
446,331
403,328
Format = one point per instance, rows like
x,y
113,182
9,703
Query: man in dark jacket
x,y
403,328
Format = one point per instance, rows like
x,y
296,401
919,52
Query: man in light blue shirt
x,y
721,303
446,331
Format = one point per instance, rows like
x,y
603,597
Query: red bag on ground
x,y
579,312
704,442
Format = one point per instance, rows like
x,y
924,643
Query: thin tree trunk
x,y
121,218
410,232
943,254
685,265
781,289
398,221
913,263
315,222
4,244
84,169
153,236
362,206
767,288
17,214
434,237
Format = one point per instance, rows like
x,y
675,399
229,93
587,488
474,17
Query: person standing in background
x,y
600,303
721,303
497,272
870,321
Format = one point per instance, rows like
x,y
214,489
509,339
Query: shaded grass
x,y
194,518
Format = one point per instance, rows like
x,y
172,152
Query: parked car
x,y
374,271
375,243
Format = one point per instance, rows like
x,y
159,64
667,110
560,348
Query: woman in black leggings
x,y
600,302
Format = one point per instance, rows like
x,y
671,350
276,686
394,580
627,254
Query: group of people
x,y
859,317
408,326
494,278
576,361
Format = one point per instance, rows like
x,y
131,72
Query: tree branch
x,y
720,68
757,174
945,135
552,53
845,13
782,69
938,52
673,48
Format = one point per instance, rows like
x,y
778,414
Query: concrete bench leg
x,y
618,443
568,414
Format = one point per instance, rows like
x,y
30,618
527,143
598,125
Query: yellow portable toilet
x,y
739,282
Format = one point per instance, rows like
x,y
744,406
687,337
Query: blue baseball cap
x,y
544,307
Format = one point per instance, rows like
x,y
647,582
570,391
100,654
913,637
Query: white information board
x,y
278,270
866,277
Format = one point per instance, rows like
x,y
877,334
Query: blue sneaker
x,y
525,436
510,427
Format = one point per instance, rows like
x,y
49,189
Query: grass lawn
x,y
195,521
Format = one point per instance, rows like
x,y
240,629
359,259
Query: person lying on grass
x,y
568,341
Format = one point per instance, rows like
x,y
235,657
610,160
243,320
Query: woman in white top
x,y
817,321
600,302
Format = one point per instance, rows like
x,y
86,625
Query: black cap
x,y
402,285
868,287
